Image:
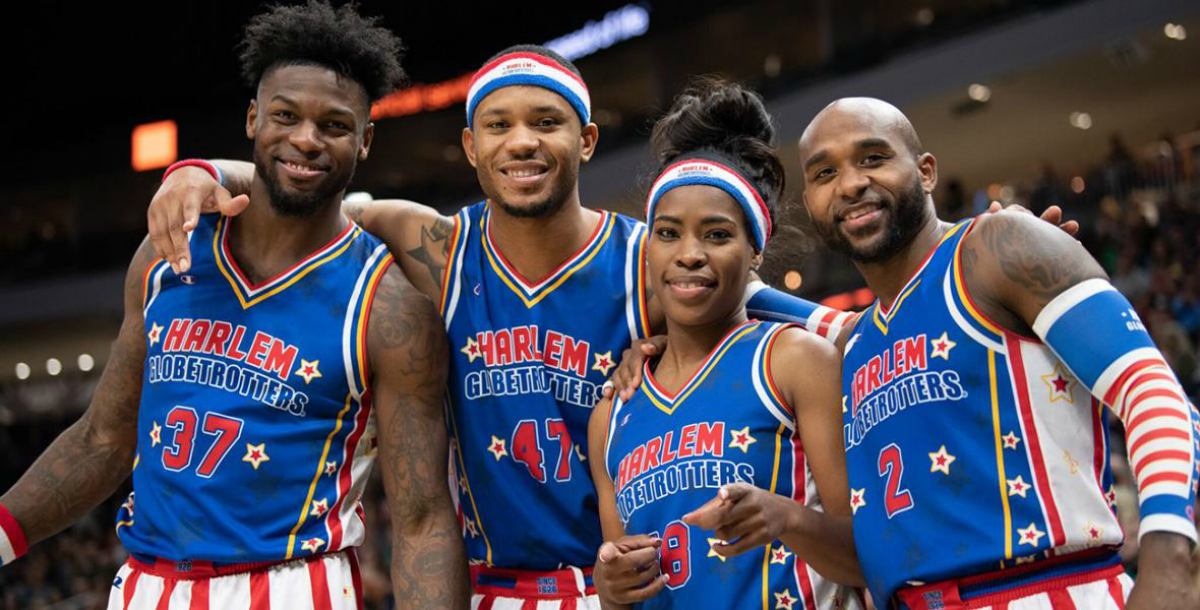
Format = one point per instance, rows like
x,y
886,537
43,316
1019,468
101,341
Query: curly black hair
x,y
537,49
318,34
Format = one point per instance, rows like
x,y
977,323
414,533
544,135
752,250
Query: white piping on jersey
x,y
961,320
464,219
612,429
156,282
763,394
347,338
631,284
1034,462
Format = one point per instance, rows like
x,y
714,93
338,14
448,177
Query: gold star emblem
x,y
462,484
741,439
312,544
1017,486
942,346
308,370
330,468
471,527
604,362
128,505
1030,535
471,349
1072,463
1093,532
155,333
155,434
780,555
320,507
1060,383
1111,496
1025,559
712,548
256,454
858,499
579,453
784,600
497,448
1010,440
940,461
844,409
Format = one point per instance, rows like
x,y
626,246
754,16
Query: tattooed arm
x,y
1028,275
87,462
408,355
416,234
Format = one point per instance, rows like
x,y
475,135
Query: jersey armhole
x,y
768,374
973,309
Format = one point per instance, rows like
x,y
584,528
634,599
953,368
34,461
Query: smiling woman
x,y
689,497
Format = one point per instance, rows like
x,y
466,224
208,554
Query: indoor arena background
x,y
1092,105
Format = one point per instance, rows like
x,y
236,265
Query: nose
x,y
305,136
522,141
852,182
691,254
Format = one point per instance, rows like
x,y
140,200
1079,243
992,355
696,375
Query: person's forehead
x,y
521,97
312,83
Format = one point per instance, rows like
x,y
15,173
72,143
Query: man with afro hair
x,y
250,395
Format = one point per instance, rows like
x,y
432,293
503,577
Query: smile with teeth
x,y
303,170
525,173
860,212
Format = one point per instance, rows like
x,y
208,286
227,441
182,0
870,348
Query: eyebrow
x,y
338,110
863,144
707,220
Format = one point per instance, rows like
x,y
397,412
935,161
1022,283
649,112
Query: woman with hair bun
x,y
728,457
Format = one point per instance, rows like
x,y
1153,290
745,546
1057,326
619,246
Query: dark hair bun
x,y
716,116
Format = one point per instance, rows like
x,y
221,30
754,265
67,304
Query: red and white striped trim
x,y
827,323
705,169
13,543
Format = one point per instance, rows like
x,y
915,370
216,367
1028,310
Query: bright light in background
x,y
1081,120
1175,31
792,279
979,93
358,197
622,24
86,362
154,145
53,366
23,370
1077,184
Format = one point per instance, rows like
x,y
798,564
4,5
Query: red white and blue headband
x,y
530,69
709,172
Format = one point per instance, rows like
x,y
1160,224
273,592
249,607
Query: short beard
x,y
907,217
541,209
297,204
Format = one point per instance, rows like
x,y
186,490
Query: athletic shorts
x,y
569,589
1086,581
321,582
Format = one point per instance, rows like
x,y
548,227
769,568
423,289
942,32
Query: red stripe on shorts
x,y
164,600
1060,599
320,585
1117,592
486,602
199,595
260,591
131,586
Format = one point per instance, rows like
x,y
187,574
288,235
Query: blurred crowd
x,y
1140,213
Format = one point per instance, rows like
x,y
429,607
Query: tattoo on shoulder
x,y
1042,266
435,247
353,210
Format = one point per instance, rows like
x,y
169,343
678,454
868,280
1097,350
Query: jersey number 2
x,y
891,468
178,455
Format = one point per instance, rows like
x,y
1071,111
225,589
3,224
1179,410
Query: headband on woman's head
x,y
530,69
711,171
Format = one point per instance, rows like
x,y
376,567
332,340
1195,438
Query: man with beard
x,y
244,394
992,352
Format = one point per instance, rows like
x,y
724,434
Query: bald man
x,y
978,390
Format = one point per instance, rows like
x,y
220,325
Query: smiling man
x,y
244,395
976,387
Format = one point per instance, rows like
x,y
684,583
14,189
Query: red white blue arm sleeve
x,y
1094,330
12,538
771,305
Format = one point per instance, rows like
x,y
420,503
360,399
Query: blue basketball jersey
x,y
527,363
669,454
254,430
969,448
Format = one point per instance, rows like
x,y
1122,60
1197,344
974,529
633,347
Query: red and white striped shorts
x,y
322,582
497,589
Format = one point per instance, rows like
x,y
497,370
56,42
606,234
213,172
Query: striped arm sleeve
x,y
1094,330
12,538
771,305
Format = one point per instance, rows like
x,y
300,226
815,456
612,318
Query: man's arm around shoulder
x,y
408,362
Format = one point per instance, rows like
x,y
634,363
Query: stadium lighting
x,y
1081,120
155,145
1175,31
86,362
979,93
23,370
53,366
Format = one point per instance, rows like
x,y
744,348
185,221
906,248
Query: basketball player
x,y
976,388
540,296
761,418
243,393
